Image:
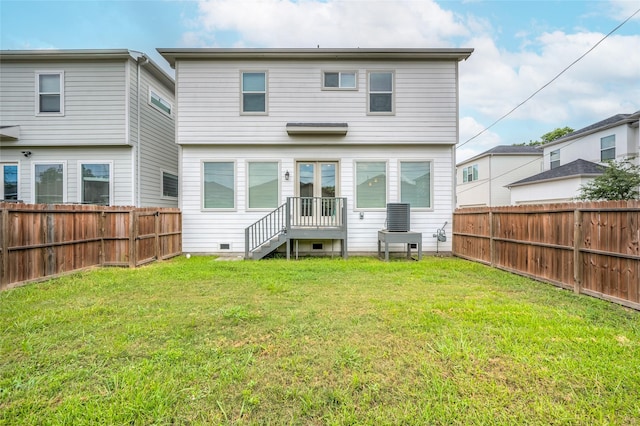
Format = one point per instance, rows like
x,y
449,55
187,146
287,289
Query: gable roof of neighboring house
x,y
506,150
89,54
574,169
172,54
607,123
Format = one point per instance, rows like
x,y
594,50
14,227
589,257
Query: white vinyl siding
x,y
209,100
205,230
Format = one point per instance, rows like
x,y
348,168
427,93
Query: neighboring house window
x,y
160,103
339,80
169,185
50,93
9,189
95,187
608,148
469,174
415,183
254,92
380,92
263,185
554,157
219,185
371,184
49,181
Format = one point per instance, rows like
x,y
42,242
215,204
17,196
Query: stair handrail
x,y
265,228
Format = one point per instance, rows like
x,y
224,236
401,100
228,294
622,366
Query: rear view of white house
x,y
311,144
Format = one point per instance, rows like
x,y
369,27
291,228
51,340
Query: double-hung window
x,y
554,159
263,185
50,93
219,185
339,80
608,148
9,188
50,183
371,184
169,185
254,92
380,92
469,174
95,186
415,183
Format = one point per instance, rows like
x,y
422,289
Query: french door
x,y
317,179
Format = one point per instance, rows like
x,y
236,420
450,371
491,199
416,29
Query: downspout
x,y
140,61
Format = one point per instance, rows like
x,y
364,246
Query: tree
x,y
550,136
620,181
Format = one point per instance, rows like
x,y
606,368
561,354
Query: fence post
x,y
4,261
133,227
157,239
491,241
577,243
101,224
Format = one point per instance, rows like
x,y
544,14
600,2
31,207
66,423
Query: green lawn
x,y
314,341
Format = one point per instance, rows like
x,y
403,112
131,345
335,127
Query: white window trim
x,y
235,186
80,163
64,177
614,147
413,160
168,197
347,89
162,97
37,93
355,185
266,93
9,163
393,93
280,174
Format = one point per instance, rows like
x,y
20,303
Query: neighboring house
x,y
87,126
481,180
574,160
307,146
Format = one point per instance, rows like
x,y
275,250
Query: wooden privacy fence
x,y
42,241
592,248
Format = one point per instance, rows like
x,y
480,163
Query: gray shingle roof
x,y
607,122
575,168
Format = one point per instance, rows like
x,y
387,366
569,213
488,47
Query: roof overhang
x,y
339,129
555,179
408,54
9,133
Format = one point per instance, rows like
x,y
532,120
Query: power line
x,y
550,81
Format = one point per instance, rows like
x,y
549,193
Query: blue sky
x,y
519,46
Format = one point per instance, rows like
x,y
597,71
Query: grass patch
x,y
315,341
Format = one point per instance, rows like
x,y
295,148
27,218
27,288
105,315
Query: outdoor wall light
x,y
287,175
26,153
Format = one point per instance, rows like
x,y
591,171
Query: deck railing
x,y
297,212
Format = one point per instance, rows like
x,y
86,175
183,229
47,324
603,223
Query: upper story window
x,y
608,148
160,103
339,80
469,174
554,158
254,92
380,92
50,92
